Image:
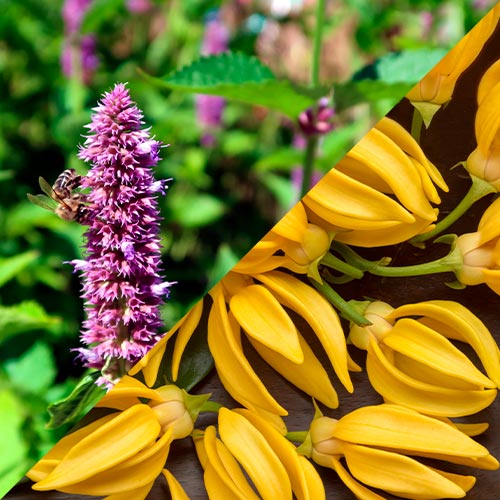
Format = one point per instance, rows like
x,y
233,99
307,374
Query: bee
x,y
70,205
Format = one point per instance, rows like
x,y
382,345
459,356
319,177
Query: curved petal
x,y
419,342
398,474
233,368
115,441
395,427
455,321
306,483
186,330
318,313
399,388
263,318
176,490
309,376
255,455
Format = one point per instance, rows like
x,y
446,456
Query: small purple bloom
x,y
317,120
122,286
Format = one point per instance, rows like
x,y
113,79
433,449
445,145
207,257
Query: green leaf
x,y
239,77
283,159
14,448
11,266
409,66
225,260
23,317
367,91
75,406
34,371
281,188
195,210
100,12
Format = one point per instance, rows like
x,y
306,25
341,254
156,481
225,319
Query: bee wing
x,y
41,200
46,187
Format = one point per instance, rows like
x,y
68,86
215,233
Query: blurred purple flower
x,y
138,6
317,120
78,54
122,286
209,108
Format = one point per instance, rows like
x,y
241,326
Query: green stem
x,y
308,167
478,190
416,124
345,309
448,263
318,33
333,262
296,436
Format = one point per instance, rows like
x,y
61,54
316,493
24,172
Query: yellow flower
x,y
257,305
411,361
436,87
120,455
249,441
380,193
293,243
377,443
117,456
484,161
481,251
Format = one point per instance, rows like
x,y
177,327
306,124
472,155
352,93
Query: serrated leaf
x,y
11,266
238,77
75,406
23,317
196,210
34,371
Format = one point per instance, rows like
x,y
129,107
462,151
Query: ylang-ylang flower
x,y
436,87
412,362
122,286
481,251
380,193
120,455
378,444
250,444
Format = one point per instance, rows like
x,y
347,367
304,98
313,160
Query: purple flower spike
x,y
122,287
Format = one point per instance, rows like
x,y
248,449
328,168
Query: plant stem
x,y
346,310
333,262
296,436
478,190
416,124
312,142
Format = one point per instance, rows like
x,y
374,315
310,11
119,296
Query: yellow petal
x,y
350,204
186,330
255,455
317,312
135,474
397,387
398,474
150,363
309,376
293,224
233,368
264,319
136,494
415,340
357,488
398,428
223,476
306,483
455,321
115,441
176,490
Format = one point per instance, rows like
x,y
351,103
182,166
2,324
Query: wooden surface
x,y
449,140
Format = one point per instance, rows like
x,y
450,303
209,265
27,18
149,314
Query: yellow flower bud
x,y
172,411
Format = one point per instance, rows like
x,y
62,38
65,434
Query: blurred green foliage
x,y
222,198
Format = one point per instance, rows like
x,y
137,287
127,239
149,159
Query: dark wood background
x,y
449,140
